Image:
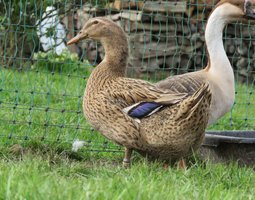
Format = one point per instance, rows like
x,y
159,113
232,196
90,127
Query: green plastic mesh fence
x,y
42,80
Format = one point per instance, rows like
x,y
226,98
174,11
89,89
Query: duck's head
x,y
97,28
239,8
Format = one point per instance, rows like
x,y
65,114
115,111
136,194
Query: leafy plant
x,y
66,62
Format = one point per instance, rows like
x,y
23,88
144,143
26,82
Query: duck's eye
x,y
95,22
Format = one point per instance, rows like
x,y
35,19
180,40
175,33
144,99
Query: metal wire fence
x,y
42,80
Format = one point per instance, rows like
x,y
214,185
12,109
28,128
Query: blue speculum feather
x,y
143,109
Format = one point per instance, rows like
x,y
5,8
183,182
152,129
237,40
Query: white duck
x,y
218,72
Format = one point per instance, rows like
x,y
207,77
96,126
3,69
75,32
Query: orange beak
x,y
77,38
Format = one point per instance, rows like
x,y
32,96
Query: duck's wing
x,y
147,108
194,102
141,98
188,104
184,83
135,90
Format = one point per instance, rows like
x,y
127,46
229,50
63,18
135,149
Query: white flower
x,y
77,144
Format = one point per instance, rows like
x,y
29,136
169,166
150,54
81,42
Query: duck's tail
x,y
199,101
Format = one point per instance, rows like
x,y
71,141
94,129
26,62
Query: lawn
x,y
55,176
40,105
42,111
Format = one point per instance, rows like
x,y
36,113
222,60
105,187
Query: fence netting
x,y
42,80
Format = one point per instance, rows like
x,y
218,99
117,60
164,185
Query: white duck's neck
x,y
219,65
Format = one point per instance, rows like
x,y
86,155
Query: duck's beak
x,y
77,38
248,9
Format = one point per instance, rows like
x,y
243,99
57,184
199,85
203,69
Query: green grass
x,y
48,106
55,176
42,106
42,111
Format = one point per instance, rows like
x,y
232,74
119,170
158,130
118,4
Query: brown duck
x,y
166,120
137,114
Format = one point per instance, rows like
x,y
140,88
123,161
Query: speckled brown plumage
x,y
169,134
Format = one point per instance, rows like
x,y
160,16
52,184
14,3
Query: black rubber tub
x,y
229,146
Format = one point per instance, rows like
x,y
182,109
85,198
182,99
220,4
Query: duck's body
x,y
218,73
223,96
168,134
174,113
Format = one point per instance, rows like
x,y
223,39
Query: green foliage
x,y
66,62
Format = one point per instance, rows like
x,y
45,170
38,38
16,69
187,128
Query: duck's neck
x,y
116,54
113,64
219,65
